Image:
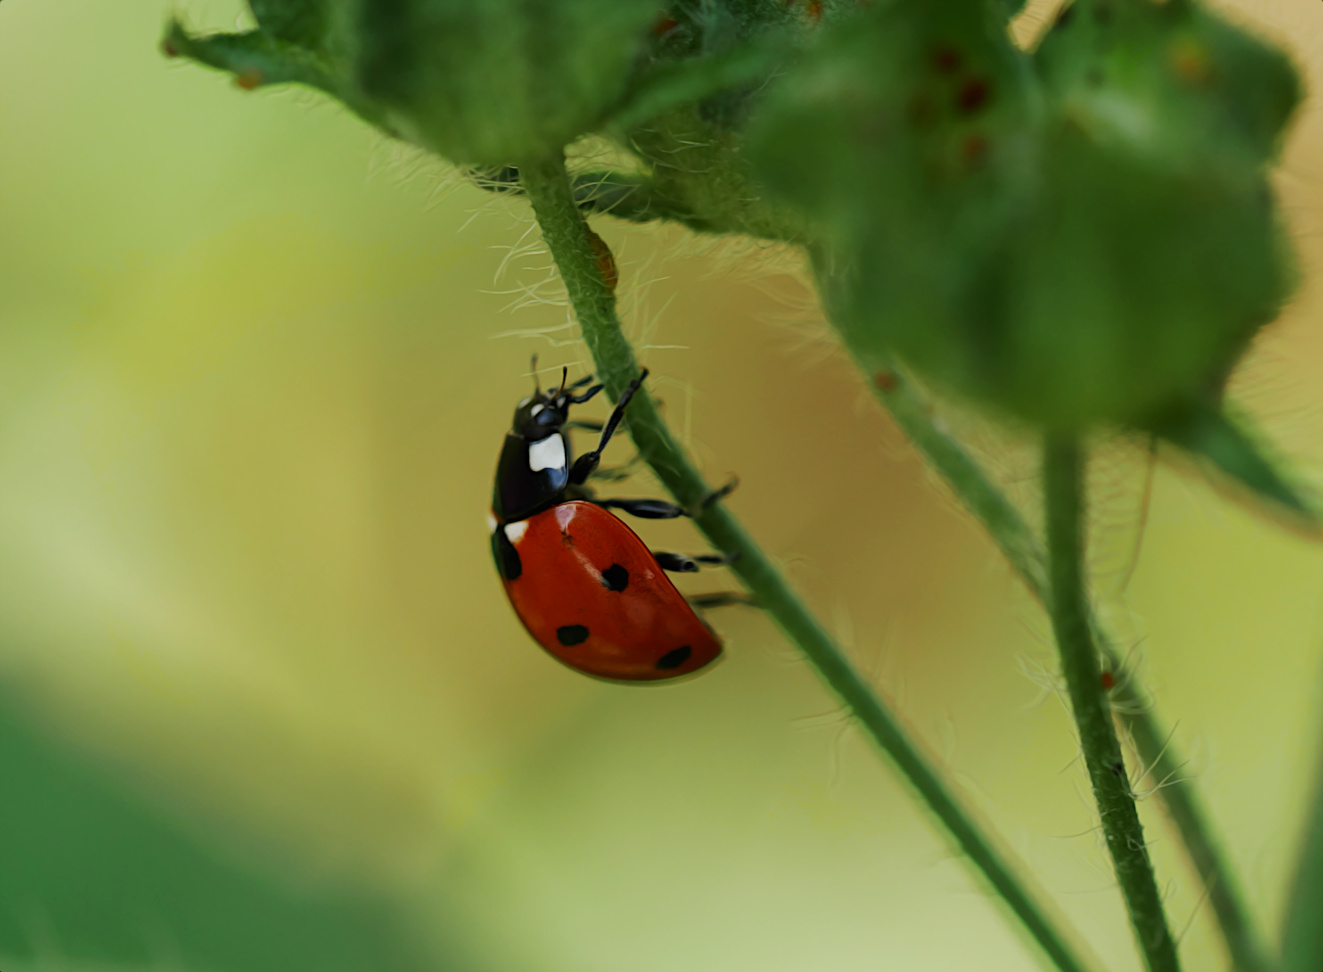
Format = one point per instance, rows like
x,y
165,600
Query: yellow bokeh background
x,y
255,365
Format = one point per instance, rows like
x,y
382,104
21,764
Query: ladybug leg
x,y
580,399
586,463
723,599
715,495
648,509
588,425
682,564
651,509
611,474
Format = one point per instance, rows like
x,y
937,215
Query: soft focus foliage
x,y
265,705
1078,237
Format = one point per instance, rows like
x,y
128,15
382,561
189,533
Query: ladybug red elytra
x,y
582,582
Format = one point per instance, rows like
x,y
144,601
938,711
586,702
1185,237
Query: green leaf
x,y
258,59
488,82
92,875
1206,431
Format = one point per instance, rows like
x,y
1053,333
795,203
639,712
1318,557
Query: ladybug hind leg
x,y
718,599
683,564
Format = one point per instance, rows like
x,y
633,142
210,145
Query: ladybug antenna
x,y
537,385
564,377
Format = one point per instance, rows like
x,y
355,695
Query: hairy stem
x,y
1008,529
552,195
1302,932
1063,495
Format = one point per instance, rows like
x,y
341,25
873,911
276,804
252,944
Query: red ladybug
x,y
582,582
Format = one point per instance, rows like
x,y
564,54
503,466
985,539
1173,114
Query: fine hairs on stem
x,y
551,193
1008,529
1063,496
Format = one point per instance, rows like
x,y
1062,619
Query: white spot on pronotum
x,y
515,531
524,401
548,453
536,409
491,523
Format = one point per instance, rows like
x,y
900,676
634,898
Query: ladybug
x,y
582,582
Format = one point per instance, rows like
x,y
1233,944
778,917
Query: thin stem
x,y
551,193
1063,495
1132,706
1302,932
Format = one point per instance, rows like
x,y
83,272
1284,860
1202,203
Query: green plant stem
x,y
551,193
1302,931
1008,529
1063,496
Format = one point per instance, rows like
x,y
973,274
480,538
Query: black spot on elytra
x,y
615,578
505,555
674,658
572,634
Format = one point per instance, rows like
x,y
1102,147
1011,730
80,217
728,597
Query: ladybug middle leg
x,y
652,509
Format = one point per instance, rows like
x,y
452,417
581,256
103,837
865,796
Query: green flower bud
x,y
1168,81
489,82
1090,247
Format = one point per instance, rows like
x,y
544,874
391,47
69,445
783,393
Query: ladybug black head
x,y
545,412
542,413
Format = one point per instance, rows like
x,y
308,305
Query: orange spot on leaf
x,y
885,380
664,25
975,149
947,60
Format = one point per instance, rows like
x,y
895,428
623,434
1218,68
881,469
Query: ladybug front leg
x,y
718,599
586,463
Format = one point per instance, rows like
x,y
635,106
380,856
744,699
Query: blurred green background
x,y
263,705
